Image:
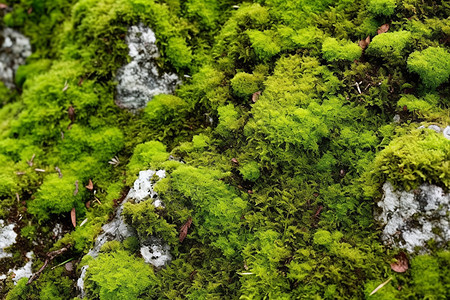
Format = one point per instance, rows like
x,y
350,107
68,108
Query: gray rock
x,y
410,219
435,128
141,80
13,53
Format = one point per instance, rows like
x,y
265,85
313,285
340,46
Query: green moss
x,y
390,44
333,50
432,65
382,7
145,156
426,277
245,84
409,160
57,195
119,275
250,171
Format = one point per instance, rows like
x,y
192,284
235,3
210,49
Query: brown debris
x,y
50,256
255,96
401,265
383,28
364,43
90,185
184,229
76,188
73,217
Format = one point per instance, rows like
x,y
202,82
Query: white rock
x,y
435,128
156,252
117,229
80,281
7,238
24,271
13,53
410,217
446,132
140,80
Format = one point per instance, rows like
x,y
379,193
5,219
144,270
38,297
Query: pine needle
x,y
380,286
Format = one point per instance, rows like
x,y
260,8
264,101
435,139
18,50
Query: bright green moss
x,y
333,50
409,160
245,84
145,219
57,195
264,43
390,43
422,106
250,171
322,237
178,52
432,65
119,275
217,207
165,110
382,7
426,277
146,156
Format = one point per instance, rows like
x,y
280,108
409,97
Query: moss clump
x,y
119,275
334,50
390,44
57,195
250,171
409,160
146,156
432,65
382,7
245,84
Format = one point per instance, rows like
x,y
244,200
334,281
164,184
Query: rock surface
x,y
141,80
7,238
13,52
154,251
413,218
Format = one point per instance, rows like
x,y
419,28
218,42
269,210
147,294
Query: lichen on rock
x,y
411,219
141,80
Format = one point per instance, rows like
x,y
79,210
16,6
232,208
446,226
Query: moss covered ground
x,y
290,118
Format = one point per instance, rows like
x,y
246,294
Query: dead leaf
x,y
71,113
234,161
76,188
255,96
30,10
73,217
90,186
3,6
383,28
380,286
364,43
184,229
401,265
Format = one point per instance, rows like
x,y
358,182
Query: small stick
x,y
30,162
59,172
50,257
